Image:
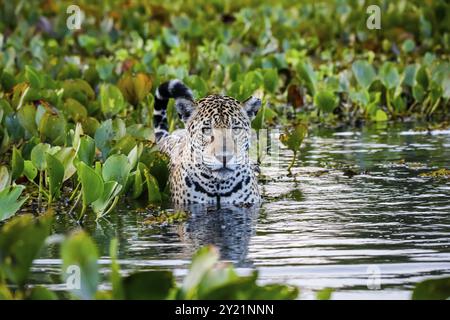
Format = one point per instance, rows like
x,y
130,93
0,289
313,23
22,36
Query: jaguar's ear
x,y
185,108
251,106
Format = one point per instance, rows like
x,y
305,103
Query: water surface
x,y
356,210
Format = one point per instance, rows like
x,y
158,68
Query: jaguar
x,y
209,159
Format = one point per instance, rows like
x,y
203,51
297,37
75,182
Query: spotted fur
x,y
209,159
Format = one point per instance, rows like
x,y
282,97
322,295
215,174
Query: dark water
x,y
356,217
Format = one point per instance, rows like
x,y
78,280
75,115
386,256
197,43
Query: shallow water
x,y
324,227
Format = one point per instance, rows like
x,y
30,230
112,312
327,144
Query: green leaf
x,y
115,277
5,177
86,150
389,75
104,68
202,261
9,203
17,164
52,128
55,175
364,73
293,137
111,189
308,75
271,79
432,289
41,293
325,100
79,255
408,46
422,77
137,184
116,168
324,294
150,285
26,116
29,170
38,156
21,240
154,195
111,100
91,183
66,157
380,115
33,78
104,136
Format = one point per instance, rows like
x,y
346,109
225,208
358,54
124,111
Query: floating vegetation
x,y
440,173
164,217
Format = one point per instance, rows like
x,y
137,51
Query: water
x,y
370,235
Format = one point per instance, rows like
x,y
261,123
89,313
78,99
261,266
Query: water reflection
x,y
230,228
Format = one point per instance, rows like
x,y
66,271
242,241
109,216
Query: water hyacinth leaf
x,y
79,255
29,170
104,68
423,78
38,156
432,289
75,110
55,175
389,75
116,168
66,157
198,86
111,189
150,285
380,115
5,177
86,150
418,93
135,88
410,75
26,116
137,184
134,155
325,100
408,46
111,100
9,201
270,79
324,294
202,261
21,239
157,164
154,195
124,145
308,75
53,129
115,277
91,183
364,73
265,115
78,89
104,136
41,293
293,137
17,164
33,77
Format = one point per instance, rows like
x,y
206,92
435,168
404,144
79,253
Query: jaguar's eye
x,y
207,131
237,130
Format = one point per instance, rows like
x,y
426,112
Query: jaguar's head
x,y
218,133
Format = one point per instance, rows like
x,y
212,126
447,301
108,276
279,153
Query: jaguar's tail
x,y
170,89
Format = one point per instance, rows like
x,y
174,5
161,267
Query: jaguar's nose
x,y
224,158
